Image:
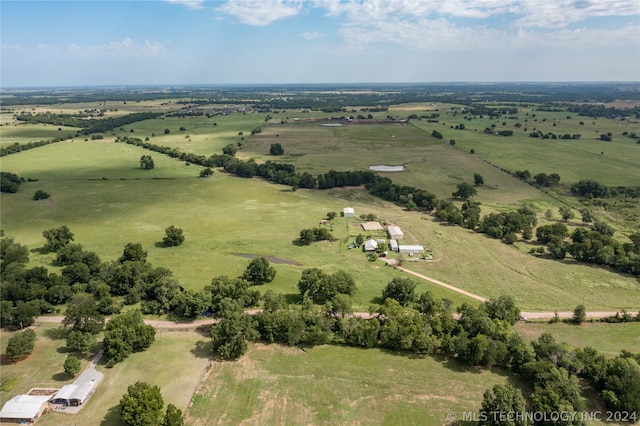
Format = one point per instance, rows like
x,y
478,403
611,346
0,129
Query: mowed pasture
x,y
175,362
609,339
273,384
99,191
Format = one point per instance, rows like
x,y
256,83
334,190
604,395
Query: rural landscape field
x,y
221,219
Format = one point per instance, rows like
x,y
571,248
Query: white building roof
x,y
370,245
348,210
394,232
65,392
393,244
23,406
410,249
83,391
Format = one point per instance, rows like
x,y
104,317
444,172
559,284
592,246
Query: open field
x,y
225,215
608,339
273,384
43,368
172,351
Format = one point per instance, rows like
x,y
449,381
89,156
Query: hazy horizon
x,y
247,42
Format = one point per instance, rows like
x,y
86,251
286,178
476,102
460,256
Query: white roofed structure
x,y
370,245
24,408
411,249
348,212
395,233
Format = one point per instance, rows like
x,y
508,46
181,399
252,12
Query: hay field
x,y
273,384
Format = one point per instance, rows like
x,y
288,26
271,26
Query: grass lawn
x,y
608,339
273,384
42,368
175,362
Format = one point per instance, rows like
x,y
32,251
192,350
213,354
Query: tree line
x,y
88,126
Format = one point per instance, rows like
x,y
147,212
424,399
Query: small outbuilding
x,y
370,245
395,233
24,409
411,250
393,245
348,212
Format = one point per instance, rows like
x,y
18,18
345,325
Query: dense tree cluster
x,y
88,125
126,333
19,147
321,287
10,182
308,236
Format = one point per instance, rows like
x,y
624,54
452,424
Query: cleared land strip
x,y
391,262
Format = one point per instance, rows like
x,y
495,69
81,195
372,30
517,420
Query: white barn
x,y
411,249
75,394
24,408
348,212
395,233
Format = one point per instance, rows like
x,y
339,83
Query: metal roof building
x,y
411,249
348,212
395,233
24,408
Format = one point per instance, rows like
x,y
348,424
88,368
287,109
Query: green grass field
x,y
99,191
273,384
185,352
608,339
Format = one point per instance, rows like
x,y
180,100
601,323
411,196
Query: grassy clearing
x,y
43,368
609,339
224,215
174,362
23,133
274,385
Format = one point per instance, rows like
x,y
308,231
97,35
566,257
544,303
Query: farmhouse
x,y
348,212
411,249
372,226
24,408
370,245
395,233
75,394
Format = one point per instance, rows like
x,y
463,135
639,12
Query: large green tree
x,y
82,314
400,289
142,405
20,345
259,271
233,333
464,191
503,405
57,238
72,366
12,252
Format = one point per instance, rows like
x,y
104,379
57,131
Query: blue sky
x,y
173,42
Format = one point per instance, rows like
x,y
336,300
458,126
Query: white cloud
x,y
312,35
191,4
261,12
560,13
125,47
